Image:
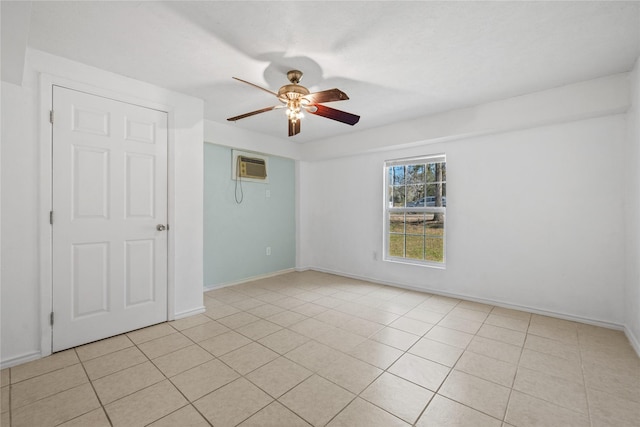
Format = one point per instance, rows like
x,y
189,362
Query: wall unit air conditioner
x,y
250,167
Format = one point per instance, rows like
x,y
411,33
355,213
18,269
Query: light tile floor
x,y
316,349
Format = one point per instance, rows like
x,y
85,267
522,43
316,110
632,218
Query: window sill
x,y
436,265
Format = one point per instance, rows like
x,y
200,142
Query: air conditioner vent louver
x,y
252,168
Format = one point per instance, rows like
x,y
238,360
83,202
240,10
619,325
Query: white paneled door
x,y
109,217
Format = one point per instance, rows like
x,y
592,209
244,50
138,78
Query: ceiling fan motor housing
x,y
288,92
294,90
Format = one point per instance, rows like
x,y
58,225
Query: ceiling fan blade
x,y
332,113
294,127
330,95
256,86
253,113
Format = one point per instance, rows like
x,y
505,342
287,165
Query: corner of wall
x,y
632,209
633,339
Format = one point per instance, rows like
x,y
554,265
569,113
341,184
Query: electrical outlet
x,y
268,250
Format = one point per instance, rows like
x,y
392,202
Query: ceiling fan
x,y
296,98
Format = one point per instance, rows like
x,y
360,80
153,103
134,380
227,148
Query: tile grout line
x,y
233,369
10,399
189,403
296,385
404,352
435,392
584,380
95,392
356,395
451,369
515,375
136,345
407,352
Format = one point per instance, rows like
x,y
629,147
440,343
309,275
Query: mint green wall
x,y
236,235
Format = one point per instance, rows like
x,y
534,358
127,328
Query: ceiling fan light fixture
x,y
296,98
294,111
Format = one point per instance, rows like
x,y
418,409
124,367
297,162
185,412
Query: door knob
x,y
161,227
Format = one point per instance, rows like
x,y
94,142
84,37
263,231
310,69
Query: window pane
x,y
415,174
431,189
436,172
398,196
396,223
432,195
431,172
434,249
415,195
434,224
396,175
415,223
396,245
415,247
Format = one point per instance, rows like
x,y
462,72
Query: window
x,y
415,207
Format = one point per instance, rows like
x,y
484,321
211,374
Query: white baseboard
x,y
529,309
18,360
248,279
635,342
35,355
189,313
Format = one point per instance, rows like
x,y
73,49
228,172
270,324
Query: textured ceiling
x,y
395,60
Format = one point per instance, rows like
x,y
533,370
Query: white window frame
x,y
388,209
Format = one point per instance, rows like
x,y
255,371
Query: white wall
x,y
632,179
24,206
591,98
230,135
534,216
20,310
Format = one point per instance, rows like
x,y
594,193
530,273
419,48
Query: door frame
x,y
45,231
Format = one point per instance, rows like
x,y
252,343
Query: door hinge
x,y
51,217
51,116
51,318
